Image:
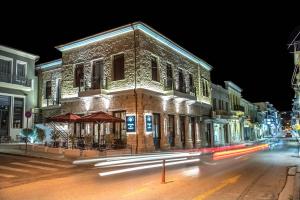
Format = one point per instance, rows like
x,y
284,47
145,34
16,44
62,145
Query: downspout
x,y
135,93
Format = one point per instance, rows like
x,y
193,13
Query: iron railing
x,y
14,79
169,84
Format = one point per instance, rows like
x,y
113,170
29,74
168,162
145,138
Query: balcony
x,y
22,82
93,89
238,108
180,91
222,112
51,102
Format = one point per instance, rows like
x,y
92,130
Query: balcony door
x,y
98,74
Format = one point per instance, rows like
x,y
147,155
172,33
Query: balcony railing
x,y
96,84
52,101
19,80
221,112
238,108
169,84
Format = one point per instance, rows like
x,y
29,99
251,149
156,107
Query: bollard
x,y
163,174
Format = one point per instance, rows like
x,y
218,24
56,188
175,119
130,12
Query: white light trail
x,y
94,160
101,164
143,163
146,167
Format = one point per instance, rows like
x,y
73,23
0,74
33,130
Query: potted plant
x,y
41,135
27,133
55,136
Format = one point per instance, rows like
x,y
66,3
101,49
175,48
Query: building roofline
x,y
19,53
131,27
49,65
233,85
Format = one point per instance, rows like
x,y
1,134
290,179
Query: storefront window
x,y
18,113
120,128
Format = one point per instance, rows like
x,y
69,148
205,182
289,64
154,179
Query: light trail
x,y
101,164
142,163
94,160
146,167
233,153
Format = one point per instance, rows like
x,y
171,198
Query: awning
x,y
100,117
68,117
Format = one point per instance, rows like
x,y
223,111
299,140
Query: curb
x,y
36,156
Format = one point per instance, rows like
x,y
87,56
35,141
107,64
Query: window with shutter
x,y
79,75
48,89
154,68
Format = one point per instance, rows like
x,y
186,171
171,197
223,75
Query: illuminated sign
x,y
148,123
130,123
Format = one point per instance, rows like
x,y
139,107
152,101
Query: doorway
x,y
4,115
182,130
171,130
156,130
193,132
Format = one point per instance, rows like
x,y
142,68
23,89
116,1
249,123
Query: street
x,y
259,175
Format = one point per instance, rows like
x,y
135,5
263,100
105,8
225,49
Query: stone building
x,y
236,120
18,91
220,115
161,90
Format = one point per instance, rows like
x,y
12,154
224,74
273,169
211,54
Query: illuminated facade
x,y
18,91
135,73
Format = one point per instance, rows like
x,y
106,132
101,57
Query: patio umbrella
x,y
68,117
100,117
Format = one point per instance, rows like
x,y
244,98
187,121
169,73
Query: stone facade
x,y
140,98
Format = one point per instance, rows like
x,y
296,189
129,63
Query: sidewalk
x,y
21,152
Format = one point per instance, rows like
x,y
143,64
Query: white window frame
x,y
21,63
11,66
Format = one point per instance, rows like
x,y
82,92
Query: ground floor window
x,y
18,113
171,130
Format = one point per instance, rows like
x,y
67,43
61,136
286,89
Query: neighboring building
x,y
269,118
220,115
236,121
135,73
18,91
251,126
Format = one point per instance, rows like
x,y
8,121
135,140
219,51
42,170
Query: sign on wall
x,y
130,123
148,123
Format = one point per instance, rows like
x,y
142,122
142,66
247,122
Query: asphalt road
x,y
258,175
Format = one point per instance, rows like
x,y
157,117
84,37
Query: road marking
x,y
219,187
238,157
14,169
208,163
7,175
51,164
34,166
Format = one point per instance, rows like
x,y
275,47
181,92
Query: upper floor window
x,y
169,71
181,81
205,88
79,75
214,103
21,69
48,90
118,67
98,74
191,81
154,68
5,66
227,108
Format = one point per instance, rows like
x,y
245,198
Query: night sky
x,y
246,44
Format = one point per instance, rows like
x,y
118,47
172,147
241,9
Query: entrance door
x,y
119,128
156,130
226,134
4,115
208,134
182,130
193,132
171,130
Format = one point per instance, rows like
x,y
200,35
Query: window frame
x,y
157,68
113,67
